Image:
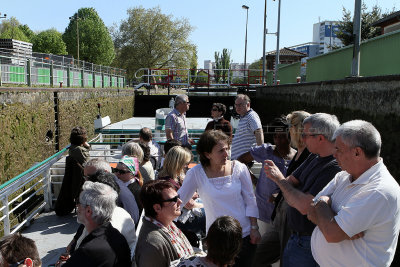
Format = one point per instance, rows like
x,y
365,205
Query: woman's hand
x,y
190,205
255,236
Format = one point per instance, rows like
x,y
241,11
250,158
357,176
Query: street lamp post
x,y
245,41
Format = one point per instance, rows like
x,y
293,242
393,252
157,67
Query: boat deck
x,y
52,234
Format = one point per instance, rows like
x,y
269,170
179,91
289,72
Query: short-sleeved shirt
x,y
266,187
176,122
314,174
370,204
244,137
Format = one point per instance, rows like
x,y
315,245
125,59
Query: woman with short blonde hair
x,y
174,165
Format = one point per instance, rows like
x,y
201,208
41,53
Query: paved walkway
x,y
51,234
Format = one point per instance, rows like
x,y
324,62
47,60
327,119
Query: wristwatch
x,y
254,227
316,201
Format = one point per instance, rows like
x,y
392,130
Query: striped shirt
x,y
176,122
244,137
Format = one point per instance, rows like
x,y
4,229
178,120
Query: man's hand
x,y
272,171
191,141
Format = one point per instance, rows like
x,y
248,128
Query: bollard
x,y
61,84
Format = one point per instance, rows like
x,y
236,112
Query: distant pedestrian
x,y
218,111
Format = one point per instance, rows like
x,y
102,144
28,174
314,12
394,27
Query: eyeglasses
x,y
304,135
184,102
174,199
214,109
115,170
240,104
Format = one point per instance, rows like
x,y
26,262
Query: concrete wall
x,y
27,115
375,99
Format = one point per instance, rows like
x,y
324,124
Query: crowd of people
x,y
323,197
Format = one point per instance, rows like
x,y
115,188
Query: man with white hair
x,y
358,213
104,245
125,198
175,123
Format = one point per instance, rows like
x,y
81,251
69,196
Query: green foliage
x,y
49,41
27,31
95,42
193,65
222,64
345,31
150,39
10,29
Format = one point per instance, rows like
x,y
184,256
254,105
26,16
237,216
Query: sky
x,y
218,24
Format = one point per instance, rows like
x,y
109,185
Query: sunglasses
x,y
174,199
115,170
214,109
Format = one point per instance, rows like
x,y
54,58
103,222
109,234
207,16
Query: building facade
x,y
324,33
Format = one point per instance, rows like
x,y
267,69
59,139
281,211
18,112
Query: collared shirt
x,y
370,204
244,137
176,122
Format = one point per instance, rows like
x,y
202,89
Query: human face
x,y
215,113
281,140
123,173
241,106
81,212
219,154
170,209
88,170
184,106
343,155
310,138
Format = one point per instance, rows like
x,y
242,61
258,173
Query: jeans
x,y
298,252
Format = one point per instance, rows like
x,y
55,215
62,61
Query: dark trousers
x,y
246,254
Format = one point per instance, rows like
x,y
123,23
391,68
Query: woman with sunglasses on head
x,y
173,171
225,188
127,172
218,111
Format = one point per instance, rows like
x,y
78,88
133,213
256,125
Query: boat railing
x,y
30,190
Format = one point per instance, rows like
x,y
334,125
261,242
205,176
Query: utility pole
x,y
245,41
277,43
355,66
264,37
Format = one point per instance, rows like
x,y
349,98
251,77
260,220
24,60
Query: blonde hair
x,y
132,149
174,162
295,119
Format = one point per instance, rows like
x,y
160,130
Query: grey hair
x,y
99,164
323,123
101,198
246,98
362,134
133,149
180,99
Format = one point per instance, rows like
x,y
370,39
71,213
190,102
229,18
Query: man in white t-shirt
x,y
358,213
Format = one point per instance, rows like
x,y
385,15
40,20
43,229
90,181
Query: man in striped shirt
x,y
249,131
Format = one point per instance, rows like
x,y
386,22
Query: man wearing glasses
x,y
249,131
160,241
175,123
304,183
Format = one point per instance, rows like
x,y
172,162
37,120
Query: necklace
x,y
285,158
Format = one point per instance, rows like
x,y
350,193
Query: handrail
x,y
33,168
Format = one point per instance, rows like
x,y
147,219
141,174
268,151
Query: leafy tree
x,y
222,64
95,42
49,41
27,31
150,39
9,29
345,29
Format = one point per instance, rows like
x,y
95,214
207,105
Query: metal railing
x,y
52,70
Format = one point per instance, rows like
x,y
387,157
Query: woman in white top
x,y
226,189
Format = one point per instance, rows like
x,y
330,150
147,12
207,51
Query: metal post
x,y
51,74
6,221
277,42
69,76
264,37
94,77
0,75
83,75
47,190
245,41
355,66
28,72
77,34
